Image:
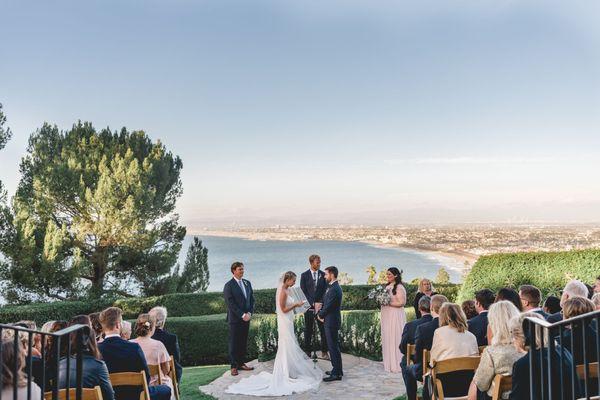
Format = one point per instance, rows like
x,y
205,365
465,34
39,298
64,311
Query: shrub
x,y
189,304
204,339
549,271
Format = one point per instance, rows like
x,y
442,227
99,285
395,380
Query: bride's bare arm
x,y
282,301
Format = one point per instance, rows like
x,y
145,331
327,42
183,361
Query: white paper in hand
x,y
298,295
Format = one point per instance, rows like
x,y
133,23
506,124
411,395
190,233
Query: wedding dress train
x,y
293,371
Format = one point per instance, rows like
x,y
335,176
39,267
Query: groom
x,y
239,299
331,316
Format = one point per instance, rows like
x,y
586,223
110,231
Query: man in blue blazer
x,y
484,298
331,316
121,355
312,283
239,299
167,338
408,337
531,299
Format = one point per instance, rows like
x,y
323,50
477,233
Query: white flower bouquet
x,y
380,294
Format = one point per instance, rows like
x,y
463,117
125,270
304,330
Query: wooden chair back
x,y
426,359
86,394
502,384
481,349
451,365
155,370
592,371
173,375
410,352
131,379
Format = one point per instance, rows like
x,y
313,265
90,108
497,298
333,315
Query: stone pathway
x,y
363,379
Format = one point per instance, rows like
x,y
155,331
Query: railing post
x,y
79,391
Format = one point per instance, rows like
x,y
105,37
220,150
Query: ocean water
x,y
265,261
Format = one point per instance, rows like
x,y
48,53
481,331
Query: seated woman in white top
x,y
453,340
497,358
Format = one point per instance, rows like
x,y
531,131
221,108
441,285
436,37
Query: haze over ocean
x,y
266,260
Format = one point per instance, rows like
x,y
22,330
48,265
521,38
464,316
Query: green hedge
x,y
204,339
549,271
188,304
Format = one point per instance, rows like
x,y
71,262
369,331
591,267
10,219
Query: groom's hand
x,y
320,319
318,307
246,317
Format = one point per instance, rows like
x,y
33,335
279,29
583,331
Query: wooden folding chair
x,y
426,359
502,384
131,379
173,375
155,370
451,365
410,352
86,394
592,371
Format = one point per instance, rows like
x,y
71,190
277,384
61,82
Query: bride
x,y
293,371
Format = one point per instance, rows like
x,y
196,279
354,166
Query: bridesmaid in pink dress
x,y
393,319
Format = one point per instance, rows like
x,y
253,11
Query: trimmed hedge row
x,y
189,304
204,339
549,271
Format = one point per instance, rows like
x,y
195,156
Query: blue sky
x,y
328,111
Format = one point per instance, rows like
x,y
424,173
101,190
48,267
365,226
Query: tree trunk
x,y
99,262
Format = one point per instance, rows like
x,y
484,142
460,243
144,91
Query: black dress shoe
x,y
332,378
328,373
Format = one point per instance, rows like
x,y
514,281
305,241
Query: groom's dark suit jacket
x,y
237,304
307,284
332,304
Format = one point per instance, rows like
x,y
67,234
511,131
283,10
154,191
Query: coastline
x,y
453,259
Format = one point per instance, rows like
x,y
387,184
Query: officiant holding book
x,y
312,283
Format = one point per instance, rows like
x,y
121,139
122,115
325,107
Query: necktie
x,y
242,287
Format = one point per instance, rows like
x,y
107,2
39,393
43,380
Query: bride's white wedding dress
x,y
293,371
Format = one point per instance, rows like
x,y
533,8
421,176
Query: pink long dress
x,y
393,319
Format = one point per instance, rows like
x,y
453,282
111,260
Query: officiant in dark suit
x,y
239,299
313,284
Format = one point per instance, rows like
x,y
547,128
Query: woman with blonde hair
x,y
9,359
425,289
497,358
453,340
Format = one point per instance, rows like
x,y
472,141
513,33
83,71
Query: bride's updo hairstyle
x,y
288,275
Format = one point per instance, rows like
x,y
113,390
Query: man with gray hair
x,y
168,339
573,288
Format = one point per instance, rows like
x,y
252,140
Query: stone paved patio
x,y
363,379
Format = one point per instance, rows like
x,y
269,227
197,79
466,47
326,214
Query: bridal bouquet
x,y
380,294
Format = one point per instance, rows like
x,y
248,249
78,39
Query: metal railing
x,y
48,363
563,357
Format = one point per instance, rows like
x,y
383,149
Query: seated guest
x,y
168,339
95,372
50,350
597,285
552,305
573,288
96,325
123,356
596,301
468,307
425,289
35,359
497,358
424,339
408,337
573,307
9,359
520,374
452,340
478,325
36,349
531,298
126,330
510,295
155,351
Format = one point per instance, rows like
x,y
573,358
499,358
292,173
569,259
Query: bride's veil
x,y
278,292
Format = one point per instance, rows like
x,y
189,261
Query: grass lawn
x,y
197,376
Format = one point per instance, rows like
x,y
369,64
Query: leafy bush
x,y
204,339
189,304
549,271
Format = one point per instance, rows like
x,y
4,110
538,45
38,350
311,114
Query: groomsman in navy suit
x,y
313,284
239,299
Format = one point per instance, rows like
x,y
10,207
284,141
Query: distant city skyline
x,y
338,112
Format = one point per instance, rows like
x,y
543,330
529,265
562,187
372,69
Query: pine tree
x,y
195,276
